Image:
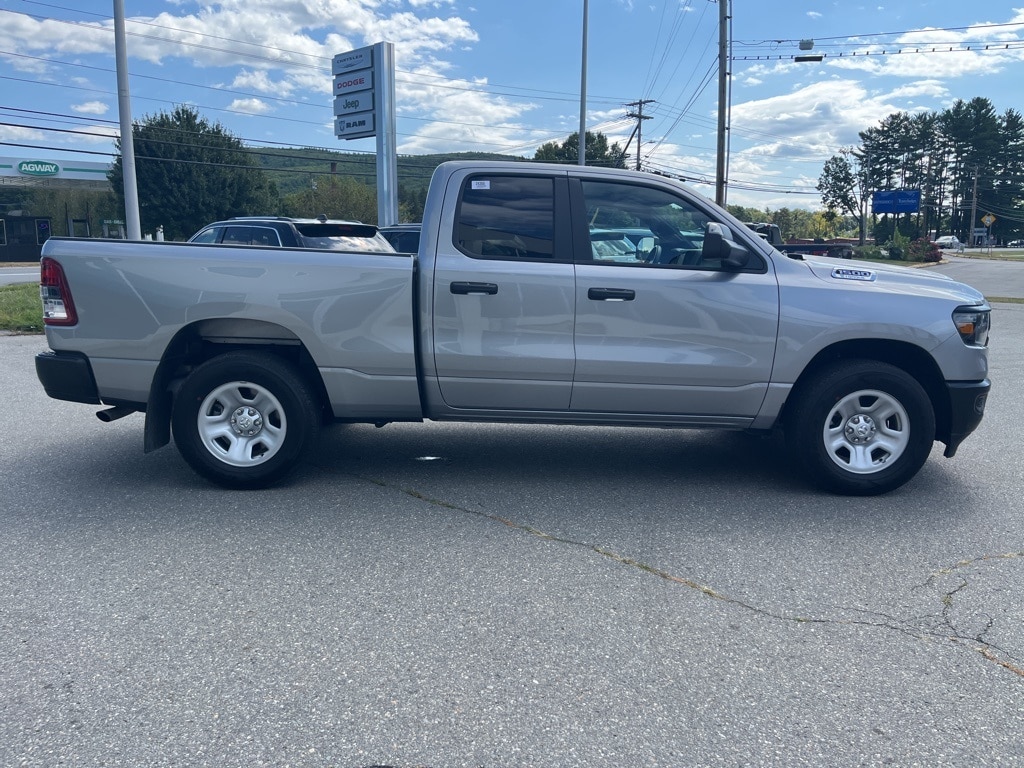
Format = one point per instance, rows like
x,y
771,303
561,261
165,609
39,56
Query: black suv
x,y
283,232
404,238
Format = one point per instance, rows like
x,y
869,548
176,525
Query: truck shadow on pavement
x,y
686,471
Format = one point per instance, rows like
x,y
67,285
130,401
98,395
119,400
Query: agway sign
x,y
38,168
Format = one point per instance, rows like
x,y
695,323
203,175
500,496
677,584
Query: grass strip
x,y
20,309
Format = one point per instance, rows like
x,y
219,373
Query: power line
x,y
979,48
219,89
415,77
431,81
889,34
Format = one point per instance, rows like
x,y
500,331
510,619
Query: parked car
x,y
284,232
1015,244
949,242
610,245
404,238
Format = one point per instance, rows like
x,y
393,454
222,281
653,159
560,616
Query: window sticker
x,y
481,184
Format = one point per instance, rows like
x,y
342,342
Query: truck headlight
x,y
973,324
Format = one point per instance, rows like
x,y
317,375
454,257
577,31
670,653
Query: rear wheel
x,y
244,419
860,427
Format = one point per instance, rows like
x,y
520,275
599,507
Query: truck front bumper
x,y
67,376
966,407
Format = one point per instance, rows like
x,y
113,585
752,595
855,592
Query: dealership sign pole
x,y
124,108
364,106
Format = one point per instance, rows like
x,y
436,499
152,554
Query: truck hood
x,y
892,278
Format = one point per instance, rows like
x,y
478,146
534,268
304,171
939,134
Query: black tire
x,y
245,419
860,427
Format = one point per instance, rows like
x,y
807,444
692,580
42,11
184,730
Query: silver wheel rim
x,y
242,424
866,431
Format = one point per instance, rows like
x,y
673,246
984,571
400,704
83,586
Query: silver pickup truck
x,y
540,293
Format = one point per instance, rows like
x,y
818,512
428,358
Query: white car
x,y
949,242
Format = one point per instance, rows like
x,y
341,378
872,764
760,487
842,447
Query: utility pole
x,y
864,178
639,116
133,221
724,6
583,89
974,209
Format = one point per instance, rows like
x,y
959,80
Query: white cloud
x,y
91,108
462,116
802,128
283,48
14,133
935,89
261,81
928,62
250,106
99,134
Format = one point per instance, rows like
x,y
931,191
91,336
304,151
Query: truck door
x,y
503,293
667,331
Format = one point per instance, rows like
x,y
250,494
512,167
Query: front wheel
x,y
860,427
244,419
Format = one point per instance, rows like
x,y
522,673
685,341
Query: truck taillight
x,y
58,306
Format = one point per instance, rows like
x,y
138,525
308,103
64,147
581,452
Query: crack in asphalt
x,y
987,650
978,643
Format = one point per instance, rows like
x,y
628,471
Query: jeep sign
x,y
38,168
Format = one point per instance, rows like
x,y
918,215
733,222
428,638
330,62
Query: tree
x,y
598,151
1008,192
336,197
966,159
844,188
190,172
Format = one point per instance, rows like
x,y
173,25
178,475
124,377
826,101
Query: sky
x,y
501,76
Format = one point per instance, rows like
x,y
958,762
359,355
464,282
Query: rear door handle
x,y
467,288
611,294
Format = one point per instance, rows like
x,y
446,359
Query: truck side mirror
x,y
645,246
717,247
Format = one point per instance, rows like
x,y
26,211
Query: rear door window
x,y
249,235
507,217
208,235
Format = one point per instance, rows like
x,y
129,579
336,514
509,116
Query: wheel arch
x,y
908,357
203,340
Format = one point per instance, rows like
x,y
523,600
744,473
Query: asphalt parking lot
x,y
489,595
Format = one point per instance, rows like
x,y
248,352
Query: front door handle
x,y
464,289
611,294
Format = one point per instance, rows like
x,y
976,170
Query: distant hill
x,y
293,170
